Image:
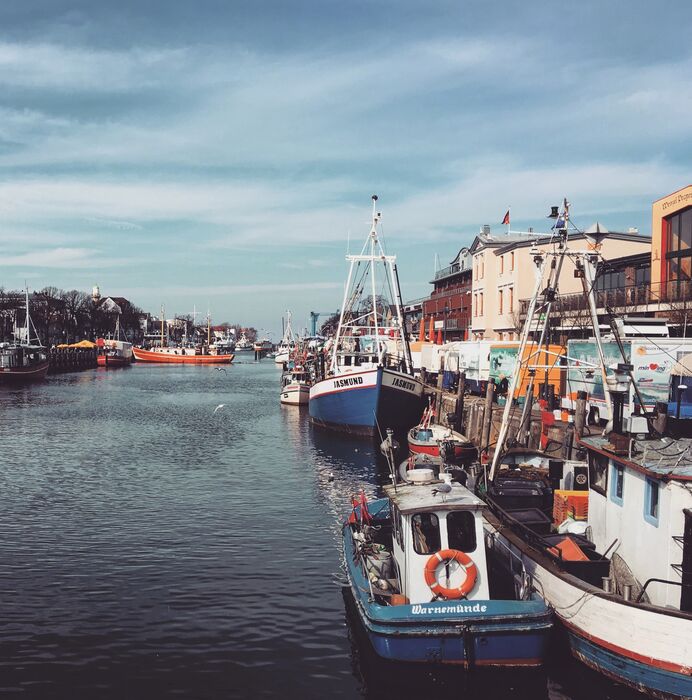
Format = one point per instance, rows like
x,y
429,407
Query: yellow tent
x,y
80,344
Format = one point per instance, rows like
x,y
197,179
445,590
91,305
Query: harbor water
x,y
172,531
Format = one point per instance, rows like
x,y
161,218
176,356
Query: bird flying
x,y
219,407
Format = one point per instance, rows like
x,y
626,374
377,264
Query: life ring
x,y
451,555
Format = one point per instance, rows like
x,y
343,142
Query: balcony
x,y
449,271
670,296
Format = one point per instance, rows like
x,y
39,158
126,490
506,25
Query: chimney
x,y
486,230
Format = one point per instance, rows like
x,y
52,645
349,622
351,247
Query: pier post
x,y
580,413
459,413
488,416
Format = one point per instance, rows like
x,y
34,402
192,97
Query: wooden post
x,y
580,413
441,374
526,416
424,375
459,413
488,415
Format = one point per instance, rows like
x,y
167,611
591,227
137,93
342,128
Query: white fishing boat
x,y
295,387
287,344
618,572
243,343
367,384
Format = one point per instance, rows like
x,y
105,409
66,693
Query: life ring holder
x,y
448,555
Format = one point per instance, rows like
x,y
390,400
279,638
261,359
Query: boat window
x,y
461,530
651,502
598,473
426,533
398,527
617,486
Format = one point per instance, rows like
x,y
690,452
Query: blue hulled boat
x,y
416,565
367,382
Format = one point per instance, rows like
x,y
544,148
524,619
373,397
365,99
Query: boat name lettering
x,y
458,608
349,381
409,386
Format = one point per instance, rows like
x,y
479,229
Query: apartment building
x,y
504,274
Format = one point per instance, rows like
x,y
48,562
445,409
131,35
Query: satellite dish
x,y
595,234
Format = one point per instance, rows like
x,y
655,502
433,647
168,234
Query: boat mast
x,y
27,322
373,243
161,325
402,325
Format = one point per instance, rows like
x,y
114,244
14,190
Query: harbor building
x,y
450,302
503,275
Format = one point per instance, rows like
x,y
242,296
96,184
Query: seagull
x,y
219,407
444,489
221,369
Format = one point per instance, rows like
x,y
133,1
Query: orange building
x,y
671,246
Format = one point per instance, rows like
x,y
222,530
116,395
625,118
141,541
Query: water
x,y
151,546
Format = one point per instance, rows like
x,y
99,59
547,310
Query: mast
x,y
402,325
162,315
373,242
26,322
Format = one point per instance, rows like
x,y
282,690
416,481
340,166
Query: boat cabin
x,y
20,356
426,520
641,500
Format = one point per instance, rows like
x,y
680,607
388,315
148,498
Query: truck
x,y
655,362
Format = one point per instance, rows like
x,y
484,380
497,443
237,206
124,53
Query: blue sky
x,y
220,153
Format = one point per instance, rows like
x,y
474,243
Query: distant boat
x,y
435,441
243,343
287,344
185,356
23,360
369,385
114,352
263,345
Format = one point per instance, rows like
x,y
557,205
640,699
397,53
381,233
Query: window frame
x,y
466,514
652,486
618,475
413,535
593,480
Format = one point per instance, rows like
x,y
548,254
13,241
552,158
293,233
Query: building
x,y
671,246
504,275
449,304
652,284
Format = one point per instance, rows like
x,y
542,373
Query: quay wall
x,y
71,359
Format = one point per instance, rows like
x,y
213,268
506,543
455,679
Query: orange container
x,y
570,504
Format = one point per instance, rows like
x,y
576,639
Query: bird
x,y
443,489
221,369
219,407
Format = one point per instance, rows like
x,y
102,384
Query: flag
x,y
505,221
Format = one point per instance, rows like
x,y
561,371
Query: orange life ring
x,y
451,555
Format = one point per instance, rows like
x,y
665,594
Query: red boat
x,y
185,356
426,438
113,353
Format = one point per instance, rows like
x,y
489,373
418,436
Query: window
x,y
511,300
480,304
426,533
475,305
461,530
598,473
511,261
617,484
651,502
499,301
398,527
502,264
679,251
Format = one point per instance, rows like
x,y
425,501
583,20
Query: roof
x,y
542,239
665,459
415,498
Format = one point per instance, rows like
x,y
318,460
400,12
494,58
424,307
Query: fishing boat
x,y
198,354
367,384
24,360
439,442
243,343
181,355
287,344
423,590
295,387
115,351
607,542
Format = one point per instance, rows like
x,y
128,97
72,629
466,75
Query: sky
x,y
221,154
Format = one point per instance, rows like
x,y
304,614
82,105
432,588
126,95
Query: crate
x,y
570,504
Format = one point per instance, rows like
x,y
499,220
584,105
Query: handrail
x,y
660,580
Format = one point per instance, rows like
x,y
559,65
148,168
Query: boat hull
x,y
367,403
646,648
24,375
112,361
142,355
463,451
467,633
295,395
